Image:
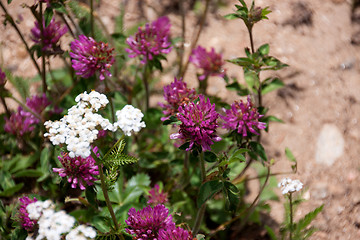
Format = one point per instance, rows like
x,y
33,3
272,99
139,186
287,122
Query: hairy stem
x,y
291,217
11,20
201,211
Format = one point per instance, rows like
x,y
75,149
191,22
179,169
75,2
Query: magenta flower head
x,y
156,196
210,62
23,214
243,117
151,41
22,121
146,223
51,34
89,56
176,94
174,234
80,171
198,124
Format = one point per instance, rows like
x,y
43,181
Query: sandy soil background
x,y
320,103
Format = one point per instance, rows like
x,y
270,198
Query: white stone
x,y
330,145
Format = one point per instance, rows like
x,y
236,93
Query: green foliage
x,y
207,190
115,156
291,157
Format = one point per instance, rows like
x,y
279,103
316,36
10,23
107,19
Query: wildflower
x,y
80,171
38,103
81,126
53,224
156,197
90,56
151,41
176,94
290,186
27,223
174,234
81,232
210,62
243,118
2,78
129,120
146,223
36,209
198,124
51,34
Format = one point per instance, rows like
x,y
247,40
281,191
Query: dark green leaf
x,y
184,146
90,194
207,190
48,15
210,156
9,1
259,150
171,120
264,49
271,119
270,232
243,62
10,191
29,173
304,222
59,7
101,223
19,234
231,193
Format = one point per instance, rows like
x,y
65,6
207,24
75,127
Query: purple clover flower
x,y
80,171
146,223
151,41
174,234
90,56
198,124
22,121
243,118
210,62
156,197
51,34
176,94
23,215
2,78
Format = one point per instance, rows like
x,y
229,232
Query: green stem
x,y
201,211
43,57
7,111
11,20
92,18
249,28
291,217
146,85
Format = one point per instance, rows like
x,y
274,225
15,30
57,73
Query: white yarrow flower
x,y
290,186
81,232
129,120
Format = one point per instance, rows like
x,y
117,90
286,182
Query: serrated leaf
x,y
304,222
207,190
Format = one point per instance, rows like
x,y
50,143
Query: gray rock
x,y
330,145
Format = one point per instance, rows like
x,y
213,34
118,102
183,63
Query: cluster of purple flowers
x,y
198,124
156,196
51,34
176,94
151,41
243,118
23,121
210,62
154,223
23,214
80,171
89,56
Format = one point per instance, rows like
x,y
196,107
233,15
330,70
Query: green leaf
x,y
240,88
207,190
290,155
271,119
210,156
270,232
48,15
9,1
232,198
259,150
171,120
272,85
90,194
252,80
59,7
243,62
231,16
10,191
304,222
115,157
29,173
101,223
264,49
184,146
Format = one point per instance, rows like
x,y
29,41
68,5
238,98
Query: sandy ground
x,y
320,103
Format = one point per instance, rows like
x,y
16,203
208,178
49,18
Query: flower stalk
x,y
201,212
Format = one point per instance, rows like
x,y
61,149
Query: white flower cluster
x,y
81,232
129,119
53,224
81,126
290,186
